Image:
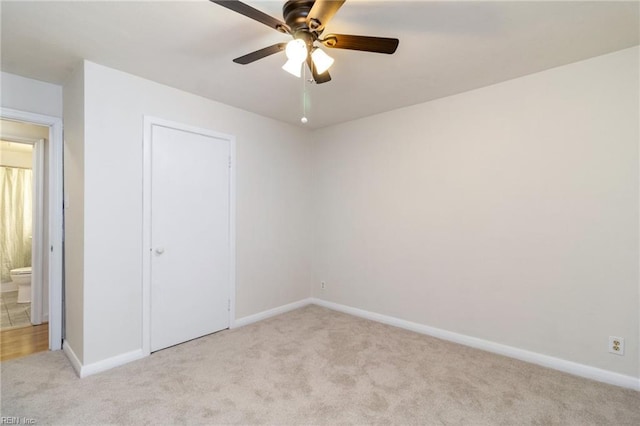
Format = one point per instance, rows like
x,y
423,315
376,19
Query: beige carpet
x,y
312,366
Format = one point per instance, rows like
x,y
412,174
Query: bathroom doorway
x,y
31,224
23,266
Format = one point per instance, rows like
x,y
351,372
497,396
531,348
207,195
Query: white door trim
x,y
55,215
148,124
37,247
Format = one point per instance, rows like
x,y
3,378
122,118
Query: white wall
x,y
74,189
273,174
509,213
25,94
34,96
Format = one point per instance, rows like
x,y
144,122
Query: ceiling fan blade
x,y
321,13
318,78
255,14
364,43
259,54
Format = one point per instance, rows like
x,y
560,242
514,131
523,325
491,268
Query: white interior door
x,y
190,235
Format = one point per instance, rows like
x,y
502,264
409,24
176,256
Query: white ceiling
x,y
446,47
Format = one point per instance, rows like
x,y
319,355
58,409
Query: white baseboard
x,y
570,367
116,361
73,358
100,366
240,322
109,363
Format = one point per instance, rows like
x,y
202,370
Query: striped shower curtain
x,y
16,206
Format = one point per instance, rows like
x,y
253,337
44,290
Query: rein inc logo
x,y
5,420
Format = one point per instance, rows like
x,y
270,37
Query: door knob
x,y
159,250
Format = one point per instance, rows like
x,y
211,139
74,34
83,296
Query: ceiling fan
x,y
305,20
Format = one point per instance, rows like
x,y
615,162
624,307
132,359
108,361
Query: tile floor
x,y
14,314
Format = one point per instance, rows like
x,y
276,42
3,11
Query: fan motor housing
x,y
295,14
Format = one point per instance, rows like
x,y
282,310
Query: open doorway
x,y
23,264
31,222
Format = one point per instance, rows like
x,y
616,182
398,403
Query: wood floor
x,y
19,342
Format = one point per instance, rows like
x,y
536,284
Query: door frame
x,y
55,210
148,123
37,247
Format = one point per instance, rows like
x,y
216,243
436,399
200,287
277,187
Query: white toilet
x,y
22,277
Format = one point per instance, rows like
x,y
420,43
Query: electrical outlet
x,y
616,345
323,285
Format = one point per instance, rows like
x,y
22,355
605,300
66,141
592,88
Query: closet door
x,y
190,232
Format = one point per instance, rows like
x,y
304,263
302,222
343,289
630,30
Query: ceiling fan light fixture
x,y
321,60
293,67
305,21
296,50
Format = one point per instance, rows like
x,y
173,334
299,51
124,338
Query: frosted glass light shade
x,y
296,50
293,67
321,60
